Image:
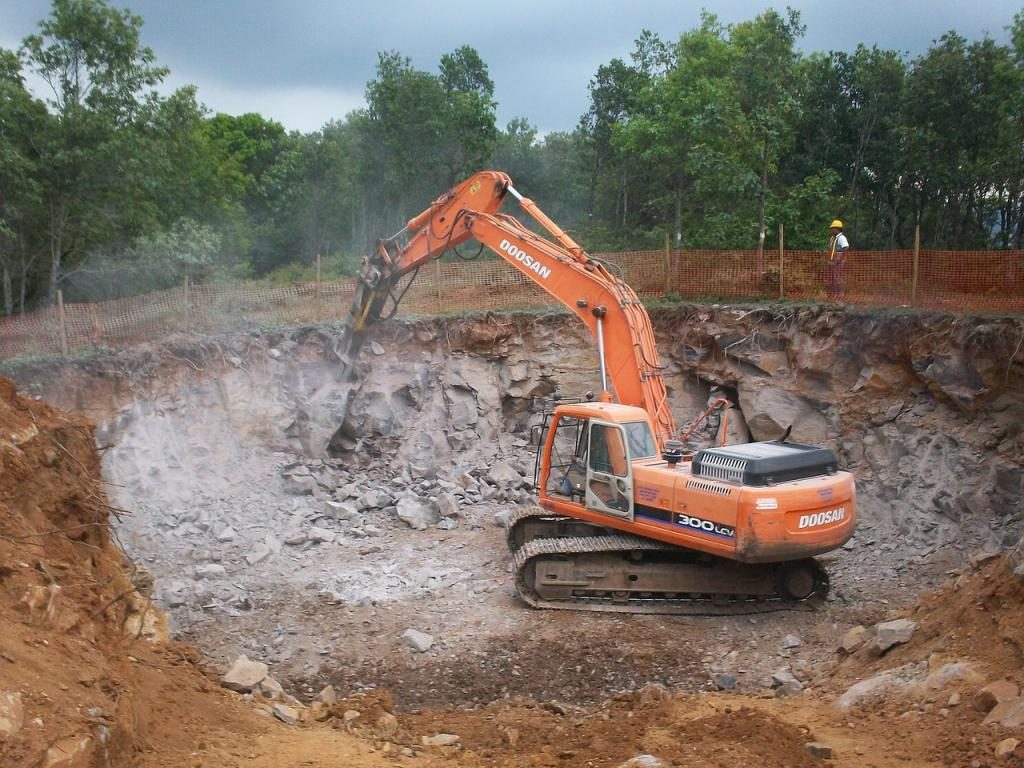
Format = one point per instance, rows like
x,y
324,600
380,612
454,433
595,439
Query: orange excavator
x,y
627,519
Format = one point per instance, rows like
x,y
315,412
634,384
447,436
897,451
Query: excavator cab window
x,y
607,451
609,474
569,457
641,440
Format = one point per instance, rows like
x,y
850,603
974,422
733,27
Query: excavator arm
x,y
586,286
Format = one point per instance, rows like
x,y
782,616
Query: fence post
x,y
187,289
666,288
917,256
319,303
782,264
97,329
437,284
62,323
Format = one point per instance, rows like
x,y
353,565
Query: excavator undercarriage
x,y
565,563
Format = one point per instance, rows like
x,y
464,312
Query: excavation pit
x,y
264,543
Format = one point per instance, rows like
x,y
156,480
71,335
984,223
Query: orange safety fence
x,y
956,281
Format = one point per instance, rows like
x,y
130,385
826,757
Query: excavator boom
x,y
631,370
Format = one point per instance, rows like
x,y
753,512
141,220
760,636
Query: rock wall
x,y
924,409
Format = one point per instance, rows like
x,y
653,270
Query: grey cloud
x,y
541,53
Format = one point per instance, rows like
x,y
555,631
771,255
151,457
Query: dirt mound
x,y
977,615
970,632
678,731
79,679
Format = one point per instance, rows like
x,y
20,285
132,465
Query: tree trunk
x,y
21,290
8,293
679,217
762,199
57,222
625,195
6,278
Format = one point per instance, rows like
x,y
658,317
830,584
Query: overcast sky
x,y
305,62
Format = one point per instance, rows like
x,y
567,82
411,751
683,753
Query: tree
x,y
958,101
470,135
850,125
91,57
690,137
432,130
764,79
612,94
21,117
1010,166
406,109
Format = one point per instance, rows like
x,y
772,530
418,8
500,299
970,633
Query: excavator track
x,y
623,573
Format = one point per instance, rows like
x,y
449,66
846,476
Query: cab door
x,y
609,472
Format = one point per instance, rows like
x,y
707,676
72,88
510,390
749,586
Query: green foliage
x,y
91,165
187,249
336,267
713,138
802,208
157,260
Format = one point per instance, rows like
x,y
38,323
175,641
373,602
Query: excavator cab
x,y
586,455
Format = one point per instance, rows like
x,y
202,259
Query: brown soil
x,y
977,616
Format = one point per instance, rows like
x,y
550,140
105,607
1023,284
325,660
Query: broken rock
x,y
440,740
244,675
725,682
340,510
387,725
420,642
881,686
644,761
418,514
270,688
502,474
1009,714
1006,747
12,713
327,695
448,505
890,633
817,749
995,693
286,714
319,535
72,752
301,485
258,553
854,638
210,571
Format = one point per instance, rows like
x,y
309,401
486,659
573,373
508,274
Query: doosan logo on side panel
x,y
822,518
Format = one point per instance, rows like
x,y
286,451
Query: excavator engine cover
x,y
764,463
